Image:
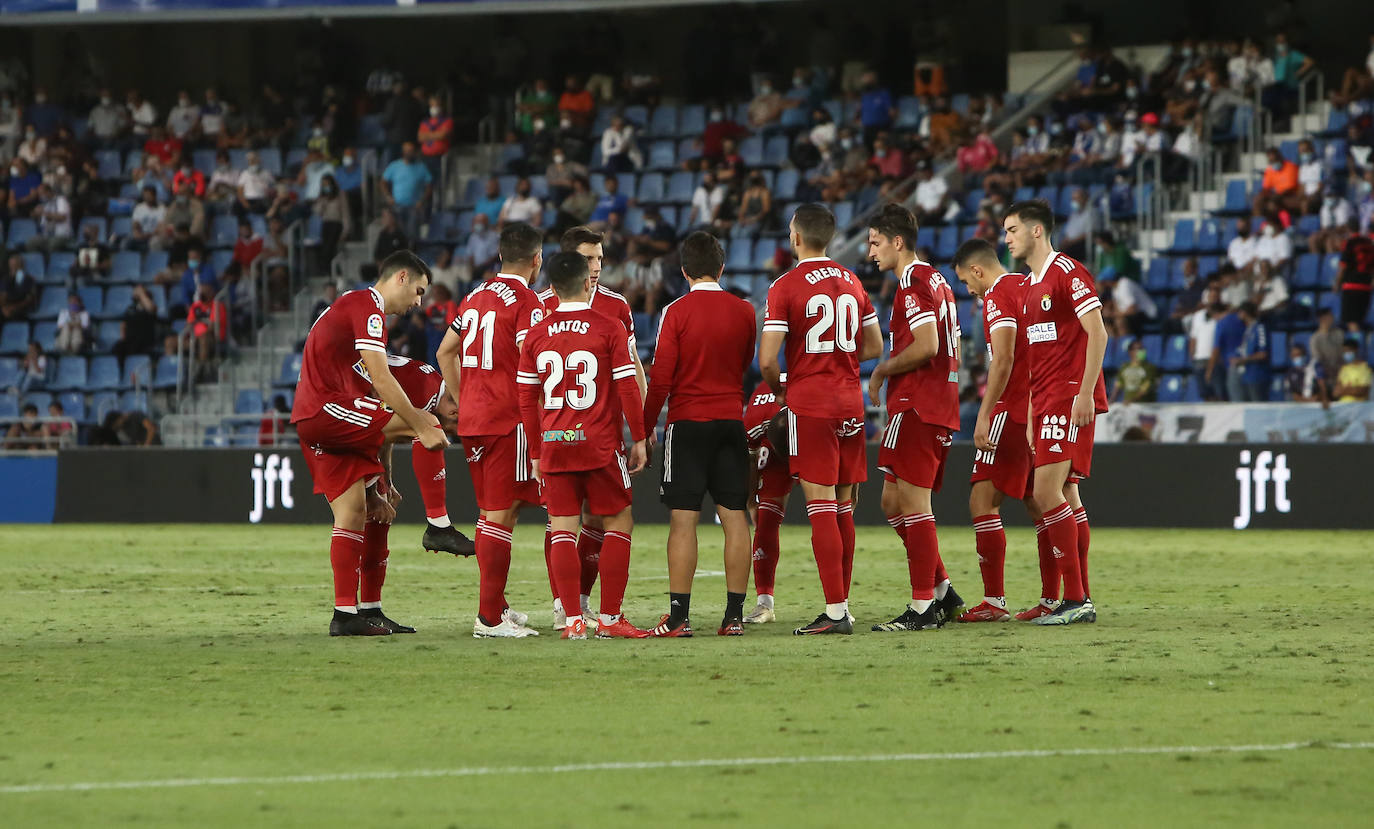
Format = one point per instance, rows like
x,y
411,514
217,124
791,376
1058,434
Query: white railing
x,y
62,437
194,431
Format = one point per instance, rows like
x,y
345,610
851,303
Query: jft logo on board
x,y
272,477
1254,478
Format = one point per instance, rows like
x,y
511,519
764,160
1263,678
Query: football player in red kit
x,y
1002,465
823,316
581,362
479,357
425,390
341,425
772,482
1065,340
922,376
586,243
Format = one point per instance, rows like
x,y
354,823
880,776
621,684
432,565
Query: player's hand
x,y
432,437
534,471
379,511
1083,413
875,387
981,433
1030,436
393,496
639,456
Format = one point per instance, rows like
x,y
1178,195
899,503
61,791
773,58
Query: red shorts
x,y
827,450
914,451
775,479
606,491
1057,439
341,444
500,469
1009,465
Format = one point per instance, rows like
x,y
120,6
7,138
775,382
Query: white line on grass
x,y
210,588
655,765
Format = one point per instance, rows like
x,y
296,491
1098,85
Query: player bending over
x,y
1065,341
581,362
479,357
705,346
922,376
341,426
771,481
822,315
586,243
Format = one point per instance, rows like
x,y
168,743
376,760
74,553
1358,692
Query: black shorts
x,y
1354,306
705,456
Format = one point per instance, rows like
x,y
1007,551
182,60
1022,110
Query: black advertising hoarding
x,y
1293,486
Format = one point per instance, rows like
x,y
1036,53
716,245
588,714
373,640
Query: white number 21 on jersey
x,y
841,314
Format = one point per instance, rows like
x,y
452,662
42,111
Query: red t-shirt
x,y
604,301
822,309
493,321
197,179
1002,309
930,390
165,150
581,362
421,382
439,130
201,315
705,345
331,365
247,250
1056,344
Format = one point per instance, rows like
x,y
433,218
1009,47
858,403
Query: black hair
x,y
567,273
702,255
974,250
1034,211
520,243
895,222
403,260
815,224
575,237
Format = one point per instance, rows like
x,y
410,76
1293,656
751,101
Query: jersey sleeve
x,y
918,303
1081,295
627,319
527,387
623,376
867,314
529,314
999,309
369,328
775,309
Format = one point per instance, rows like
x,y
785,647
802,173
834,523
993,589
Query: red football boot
x,y
985,612
575,630
620,629
1036,611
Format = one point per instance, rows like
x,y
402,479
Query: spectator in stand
x,y
1201,328
1138,380
534,103
941,126
766,107
1337,223
560,175
137,326
349,177
11,124
207,326
107,120
277,266
390,239
222,189
1271,291
1274,248
185,172
1083,220
247,247
876,110
933,202
446,271
43,115
706,201
1241,250
27,433
756,208
1357,84
1311,172
1252,358
401,117
440,308
313,170
92,260
212,118
33,371
1364,205
165,148
889,161
58,430
185,211
435,134
619,152
979,155
407,188
1326,343
275,427
328,294
254,187
24,181
54,216
824,132
1290,66
1355,280
183,117
1305,380
142,116
1191,296
610,202
73,326
483,248
1114,259
335,218
492,201
576,208
522,206
575,104
1279,188
1352,383
145,220
719,130
198,274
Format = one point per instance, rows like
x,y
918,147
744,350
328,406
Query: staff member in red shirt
x,y
435,133
705,346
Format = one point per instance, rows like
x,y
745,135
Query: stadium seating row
x,y
100,373
76,405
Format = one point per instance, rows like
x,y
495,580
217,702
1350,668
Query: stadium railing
x,y
197,431
23,444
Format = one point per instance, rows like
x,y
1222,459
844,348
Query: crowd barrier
x,y
1236,486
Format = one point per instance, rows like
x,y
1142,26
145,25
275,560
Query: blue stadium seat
x,y
138,371
844,213
795,119
664,121
248,401
786,185
60,265
1116,352
689,149
972,199
73,405
9,406
71,374
50,303
634,220
271,160
9,372
1237,202
35,266
947,243
93,297
290,370
1184,240
650,188
740,257
637,115
680,188
1278,350
476,187
126,266
223,231
135,401
644,327
1309,224
45,334
1209,237
1278,389
117,300
102,403
1289,150
1157,277
1331,265
168,367
662,155
98,222
220,261
20,232
775,151
39,399
1336,123
1154,348
159,294
107,162
1308,273
691,121
103,374
107,334
14,338
751,150
154,262
295,159
1175,353
1049,193
1171,388
908,113
925,238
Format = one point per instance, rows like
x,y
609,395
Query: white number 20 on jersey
x,y
582,364
840,314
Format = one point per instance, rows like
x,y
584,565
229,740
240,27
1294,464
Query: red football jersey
x,y
704,347
493,321
931,390
1056,343
422,382
604,301
761,407
1002,309
331,365
580,360
822,309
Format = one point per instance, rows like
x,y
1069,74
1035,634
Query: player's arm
x,y
1003,335
631,403
925,341
872,344
449,357
424,424
528,390
770,343
1091,320
661,376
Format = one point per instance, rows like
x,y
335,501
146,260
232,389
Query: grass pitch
x,y
181,676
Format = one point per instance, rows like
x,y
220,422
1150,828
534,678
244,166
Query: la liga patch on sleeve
x,y
375,324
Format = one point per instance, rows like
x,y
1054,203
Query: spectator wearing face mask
x,y
888,160
23,189
1252,358
33,149
18,291
1201,328
185,173
719,129
254,187
1352,383
211,116
185,211
1083,221
197,275
1240,252
1290,66
1305,380
1274,248
1138,380
1279,189
142,115
560,175
522,206
576,104
43,115
335,217
312,174
407,187
483,248
618,150
1311,173
183,117
73,326
435,134
54,213
1336,217
876,110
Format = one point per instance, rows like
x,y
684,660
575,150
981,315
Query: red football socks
x,y
614,562
493,563
432,475
828,548
922,555
765,555
345,558
1049,571
589,543
566,569
548,559
372,574
1062,530
898,525
991,542
1084,540
845,521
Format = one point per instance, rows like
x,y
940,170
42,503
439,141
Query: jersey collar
x,y
1045,268
706,286
377,297
1000,278
564,305
814,259
523,280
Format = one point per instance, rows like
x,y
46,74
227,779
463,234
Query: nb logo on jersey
x,y
1052,428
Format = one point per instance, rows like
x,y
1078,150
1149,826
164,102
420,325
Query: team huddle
x,y
541,388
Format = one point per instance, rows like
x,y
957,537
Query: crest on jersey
x,y
1045,302
536,315
375,325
